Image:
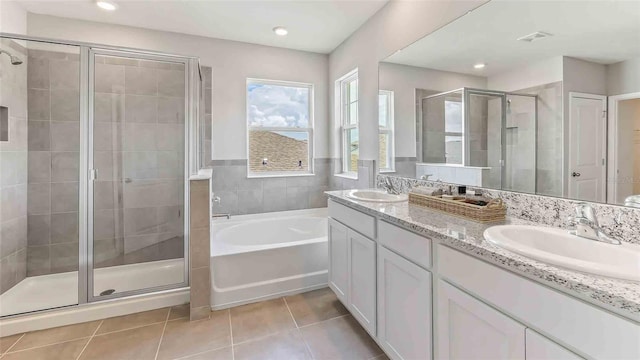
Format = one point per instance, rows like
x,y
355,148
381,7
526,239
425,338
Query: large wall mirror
x,y
531,96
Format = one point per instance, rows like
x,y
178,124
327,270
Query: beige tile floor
x,y
313,325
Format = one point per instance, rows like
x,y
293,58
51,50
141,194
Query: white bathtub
x,y
262,256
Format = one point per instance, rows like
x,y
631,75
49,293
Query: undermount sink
x,y
376,196
559,247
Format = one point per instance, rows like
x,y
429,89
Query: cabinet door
x,y
404,307
338,259
362,280
541,348
467,328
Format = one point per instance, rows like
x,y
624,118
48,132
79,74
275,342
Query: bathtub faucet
x,y
228,216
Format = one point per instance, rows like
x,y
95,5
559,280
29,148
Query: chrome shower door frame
x,y
190,158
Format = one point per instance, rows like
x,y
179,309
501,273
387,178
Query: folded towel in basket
x,y
427,190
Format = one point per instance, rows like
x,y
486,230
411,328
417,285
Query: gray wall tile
x,y
64,227
38,230
65,136
65,166
38,260
140,81
64,74
37,73
39,170
39,199
64,197
141,109
65,105
39,135
109,78
38,104
249,201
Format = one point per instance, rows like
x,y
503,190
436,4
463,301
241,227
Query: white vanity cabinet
x,y
362,280
404,307
541,348
352,263
470,329
338,259
421,299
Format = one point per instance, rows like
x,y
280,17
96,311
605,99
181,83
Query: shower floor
x,y
57,290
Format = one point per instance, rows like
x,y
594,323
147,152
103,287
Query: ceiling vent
x,y
535,36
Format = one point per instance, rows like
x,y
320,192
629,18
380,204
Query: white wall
x,y
232,62
623,77
534,74
396,25
13,18
403,81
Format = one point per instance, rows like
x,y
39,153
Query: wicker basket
x,y
494,211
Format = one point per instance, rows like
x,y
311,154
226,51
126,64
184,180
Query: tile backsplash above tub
x,y
620,222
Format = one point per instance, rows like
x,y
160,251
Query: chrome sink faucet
x,y
388,185
587,225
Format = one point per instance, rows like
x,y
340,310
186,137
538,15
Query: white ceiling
x,y
314,25
599,31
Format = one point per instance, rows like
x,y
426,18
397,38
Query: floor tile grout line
x,y
90,338
202,352
233,355
14,344
324,321
42,346
290,313
164,328
133,328
306,346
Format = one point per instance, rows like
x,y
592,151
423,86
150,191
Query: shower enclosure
x,y
98,146
490,133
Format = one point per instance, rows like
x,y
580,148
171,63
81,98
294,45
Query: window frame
x,y
388,130
344,116
308,130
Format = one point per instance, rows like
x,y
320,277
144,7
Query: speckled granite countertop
x,y
619,296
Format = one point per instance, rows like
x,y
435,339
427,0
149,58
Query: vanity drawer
x,y
360,222
412,246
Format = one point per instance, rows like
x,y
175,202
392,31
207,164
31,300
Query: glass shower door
x,y
40,206
137,162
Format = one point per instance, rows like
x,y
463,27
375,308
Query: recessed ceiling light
x,y
534,36
280,31
106,5
479,66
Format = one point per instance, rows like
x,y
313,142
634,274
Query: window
x,y
453,131
280,128
348,91
385,136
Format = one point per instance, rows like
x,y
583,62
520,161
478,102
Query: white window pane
x,y
453,149
277,105
352,150
385,151
278,151
453,116
383,110
353,113
353,90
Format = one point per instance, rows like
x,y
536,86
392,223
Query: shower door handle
x,y
93,174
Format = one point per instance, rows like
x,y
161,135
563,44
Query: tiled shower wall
x,y
13,169
54,144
